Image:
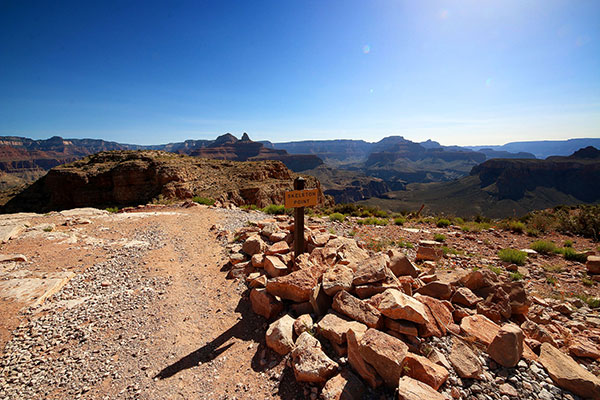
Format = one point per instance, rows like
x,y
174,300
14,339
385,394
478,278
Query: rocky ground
x,y
155,303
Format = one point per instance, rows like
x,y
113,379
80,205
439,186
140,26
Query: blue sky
x,y
459,72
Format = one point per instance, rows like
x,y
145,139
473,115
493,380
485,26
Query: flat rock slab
x,y
33,291
10,231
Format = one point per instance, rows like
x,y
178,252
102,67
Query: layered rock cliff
x,y
123,178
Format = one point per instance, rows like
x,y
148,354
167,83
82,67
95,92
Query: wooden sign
x,y
301,198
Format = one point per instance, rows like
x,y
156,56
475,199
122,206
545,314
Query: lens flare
x,y
488,82
366,49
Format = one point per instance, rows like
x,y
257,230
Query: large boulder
x,y
507,347
465,297
439,317
496,306
274,267
412,389
567,374
385,353
254,245
296,286
465,361
309,362
338,278
356,361
357,309
480,328
400,265
437,289
593,264
422,369
264,303
371,270
334,328
280,335
343,386
396,305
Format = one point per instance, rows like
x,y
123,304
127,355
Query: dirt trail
x,y
156,317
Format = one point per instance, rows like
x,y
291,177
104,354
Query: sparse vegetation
x,y
337,217
513,256
253,207
570,254
516,226
592,302
543,247
274,209
450,250
496,270
587,281
443,223
550,280
203,200
568,243
112,209
373,221
438,237
406,245
552,268
48,229
516,276
399,221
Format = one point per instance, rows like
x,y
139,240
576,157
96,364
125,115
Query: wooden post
x,y
299,221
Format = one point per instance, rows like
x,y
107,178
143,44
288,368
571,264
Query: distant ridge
x,y
544,148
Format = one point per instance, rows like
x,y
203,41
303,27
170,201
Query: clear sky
x,y
459,72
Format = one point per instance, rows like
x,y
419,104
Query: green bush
x,y
274,209
570,254
593,302
373,221
587,281
438,237
443,223
496,270
459,221
543,247
399,221
406,245
112,209
203,200
513,256
568,243
337,217
516,226
550,280
516,276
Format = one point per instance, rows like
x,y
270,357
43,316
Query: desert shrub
x,y
543,247
552,268
443,223
399,221
583,220
516,276
587,281
568,243
438,237
591,301
496,270
550,280
406,245
459,221
249,207
203,200
48,229
516,226
513,256
570,254
541,221
337,217
532,232
347,209
274,209
112,209
373,221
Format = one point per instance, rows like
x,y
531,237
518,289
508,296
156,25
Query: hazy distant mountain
x,y
544,148
507,187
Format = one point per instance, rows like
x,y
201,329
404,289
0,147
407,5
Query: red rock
x,y
465,297
439,317
357,309
347,251
302,324
296,286
465,361
593,264
309,362
400,265
537,332
258,260
319,300
325,256
334,328
496,306
320,239
518,298
279,336
338,278
256,280
274,267
371,289
422,369
343,386
365,370
254,245
385,353
278,248
479,279
412,389
405,327
437,289
429,251
264,303
507,346
371,270
480,327
582,347
567,374
396,305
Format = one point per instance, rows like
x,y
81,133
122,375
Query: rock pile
x,y
377,322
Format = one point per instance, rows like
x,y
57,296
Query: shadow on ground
x,y
249,328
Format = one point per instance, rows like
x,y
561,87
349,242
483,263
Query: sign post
x,y
298,199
